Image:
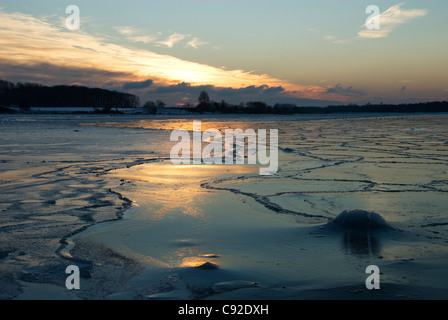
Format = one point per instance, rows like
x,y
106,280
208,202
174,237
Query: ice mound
x,y
362,231
360,220
208,266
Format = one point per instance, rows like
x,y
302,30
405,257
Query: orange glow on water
x,y
193,262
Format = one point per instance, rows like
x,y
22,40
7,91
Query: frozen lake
x,y
100,192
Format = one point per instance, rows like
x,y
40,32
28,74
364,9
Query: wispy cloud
x,y
390,19
135,35
327,37
172,40
348,91
312,30
195,43
126,30
137,85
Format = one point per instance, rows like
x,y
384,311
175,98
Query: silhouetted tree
x,y
204,103
204,98
160,104
150,107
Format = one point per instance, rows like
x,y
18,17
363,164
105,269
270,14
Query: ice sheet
x,y
224,231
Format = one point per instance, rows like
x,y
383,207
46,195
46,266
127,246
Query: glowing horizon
x,y
37,47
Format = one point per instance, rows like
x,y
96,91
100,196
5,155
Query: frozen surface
x,y
101,193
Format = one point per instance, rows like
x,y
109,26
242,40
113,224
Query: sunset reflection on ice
x,y
178,187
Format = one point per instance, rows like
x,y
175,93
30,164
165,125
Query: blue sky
x,y
307,52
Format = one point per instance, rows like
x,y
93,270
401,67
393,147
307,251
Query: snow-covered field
x,y
100,192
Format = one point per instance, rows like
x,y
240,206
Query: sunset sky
x,y
304,52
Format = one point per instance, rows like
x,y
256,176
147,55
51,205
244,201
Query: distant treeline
x,y
26,95
259,107
438,106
